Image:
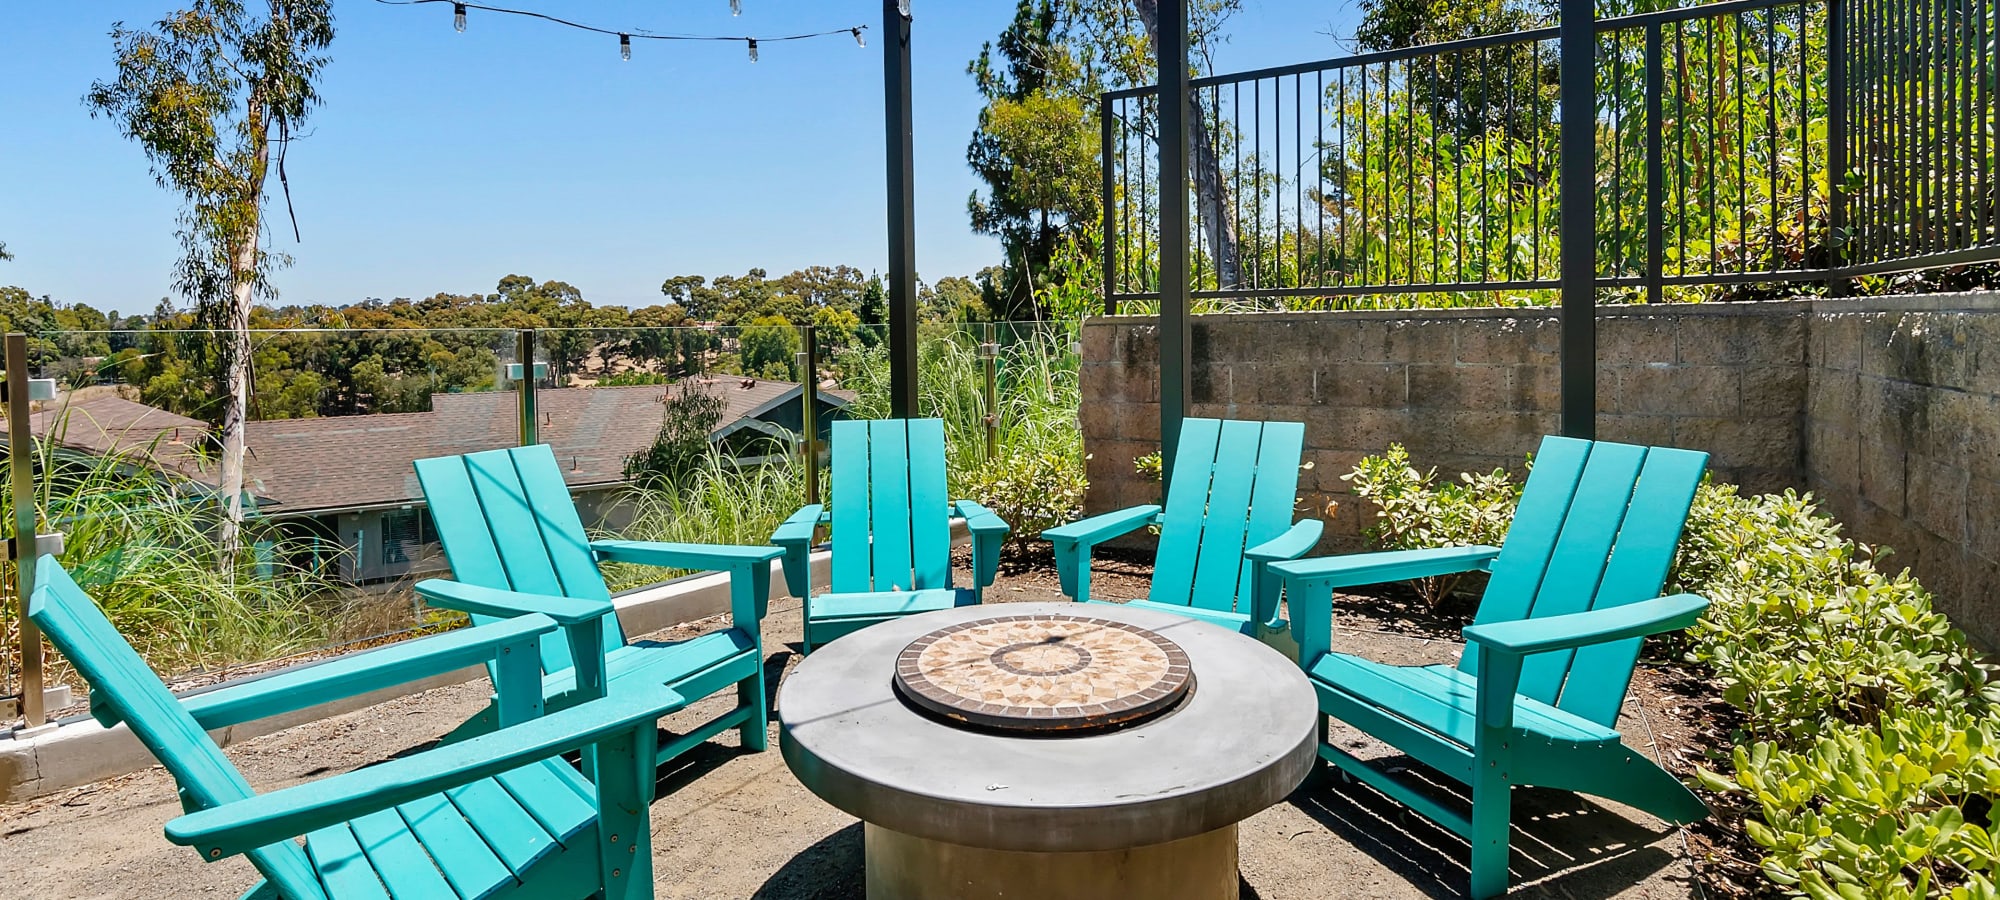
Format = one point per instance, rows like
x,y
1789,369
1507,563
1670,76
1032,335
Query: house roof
x,y
106,424
358,461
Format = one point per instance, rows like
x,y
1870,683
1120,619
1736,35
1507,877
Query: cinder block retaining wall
x,y
1887,409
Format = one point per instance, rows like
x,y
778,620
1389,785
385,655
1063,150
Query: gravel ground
x,y
731,824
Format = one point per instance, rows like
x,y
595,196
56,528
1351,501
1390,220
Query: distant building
x,y
348,483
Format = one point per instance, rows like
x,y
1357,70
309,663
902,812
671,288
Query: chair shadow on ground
x,y
1564,844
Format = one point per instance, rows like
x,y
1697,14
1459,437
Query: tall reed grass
x,y
141,542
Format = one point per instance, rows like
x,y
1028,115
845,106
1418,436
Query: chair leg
x,y
624,773
1492,798
756,730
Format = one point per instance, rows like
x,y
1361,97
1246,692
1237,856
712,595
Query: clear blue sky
x,y
443,161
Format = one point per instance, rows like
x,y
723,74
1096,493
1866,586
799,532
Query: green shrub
x,y
1901,810
1032,491
1414,511
1804,630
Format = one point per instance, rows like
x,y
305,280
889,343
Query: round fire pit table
x,y
1048,750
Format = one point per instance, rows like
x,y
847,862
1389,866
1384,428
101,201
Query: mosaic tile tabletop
x,y
1043,673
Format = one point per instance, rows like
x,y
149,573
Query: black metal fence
x,y
1755,141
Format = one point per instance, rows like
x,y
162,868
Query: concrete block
x,y
1735,442
1461,386
1833,455
1679,390
1741,340
1982,522
1936,493
1343,340
1653,431
1537,386
1361,384
1422,340
1840,337
1772,390
1884,475
1833,397
1637,341
1489,433
1497,341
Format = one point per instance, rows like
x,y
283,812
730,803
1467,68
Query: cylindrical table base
x,y
902,867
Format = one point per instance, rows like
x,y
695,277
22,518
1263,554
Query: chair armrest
x,y
264,819
705,557
987,531
795,536
582,620
1392,565
1525,637
1100,528
485,601
749,569
360,673
1073,543
1294,543
979,519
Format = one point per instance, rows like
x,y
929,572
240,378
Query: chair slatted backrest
x,y
891,515
122,681
1596,528
1234,486
507,521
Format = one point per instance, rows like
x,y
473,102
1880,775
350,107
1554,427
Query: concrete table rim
x,y
1248,736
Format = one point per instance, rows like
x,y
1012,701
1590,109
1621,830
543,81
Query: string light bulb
x,y
858,39
625,47
753,48
735,7
458,17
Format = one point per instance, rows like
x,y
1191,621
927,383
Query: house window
x,y
404,533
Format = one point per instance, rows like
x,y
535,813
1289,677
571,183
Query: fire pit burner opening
x,y
1043,674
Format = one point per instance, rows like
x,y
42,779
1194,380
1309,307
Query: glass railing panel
x,y
330,530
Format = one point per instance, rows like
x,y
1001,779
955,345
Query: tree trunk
x,y
1205,165
236,349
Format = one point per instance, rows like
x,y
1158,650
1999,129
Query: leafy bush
x,y
1901,810
1415,511
1869,751
1032,491
1804,630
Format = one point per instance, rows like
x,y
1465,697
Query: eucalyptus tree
x,y
210,93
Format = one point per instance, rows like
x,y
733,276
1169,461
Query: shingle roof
x,y
109,425
356,461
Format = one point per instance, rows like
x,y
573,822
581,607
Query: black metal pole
x,y
1107,241
902,213
1578,38
1176,358
1838,58
1656,170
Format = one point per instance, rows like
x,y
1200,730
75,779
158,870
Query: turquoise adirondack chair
x,y
1534,700
1228,516
891,522
501,813
516,547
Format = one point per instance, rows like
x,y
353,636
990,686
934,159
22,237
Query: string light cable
x,y
626,37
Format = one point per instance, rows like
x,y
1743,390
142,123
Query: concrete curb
x,y
81,751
